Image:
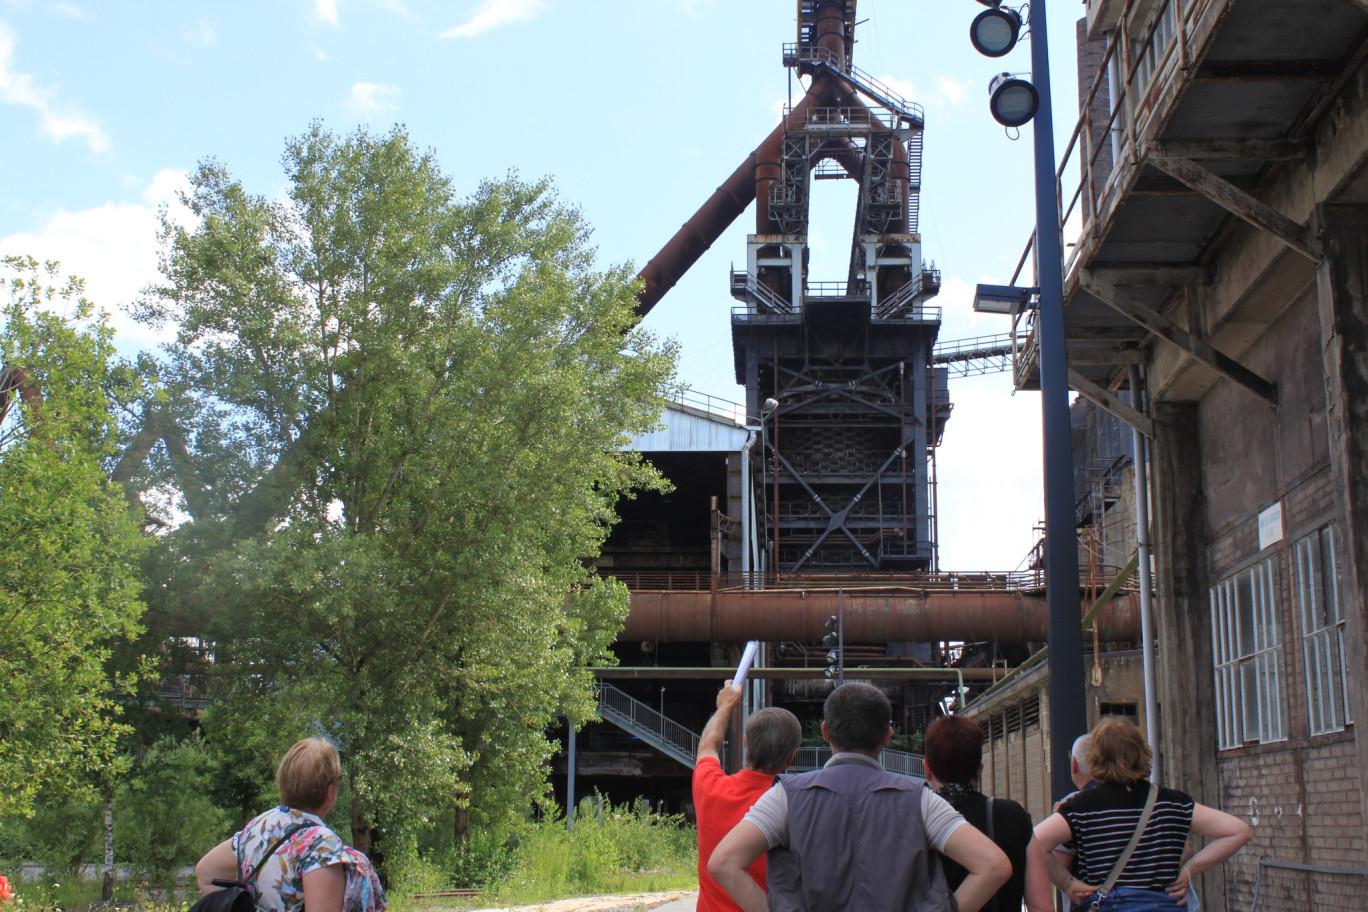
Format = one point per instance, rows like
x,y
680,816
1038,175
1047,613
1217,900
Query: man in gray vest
x,y
852,836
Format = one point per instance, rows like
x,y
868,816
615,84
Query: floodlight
x,y
1012,100
994,31
1003,299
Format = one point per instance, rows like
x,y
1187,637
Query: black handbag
x,y
235,895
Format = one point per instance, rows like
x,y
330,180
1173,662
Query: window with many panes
x,y
1248,657
1322,621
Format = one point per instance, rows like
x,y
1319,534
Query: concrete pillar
x,y
1187,713
1342,296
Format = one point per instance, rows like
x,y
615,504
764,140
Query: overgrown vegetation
x,y
348,498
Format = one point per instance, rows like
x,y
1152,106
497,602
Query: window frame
x,y
1320,609
1247,655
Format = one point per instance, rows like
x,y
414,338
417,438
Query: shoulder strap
x,y
251,878
1115,873
990,818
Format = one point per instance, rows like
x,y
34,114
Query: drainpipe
x,y
1142,547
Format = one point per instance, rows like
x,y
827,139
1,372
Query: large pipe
x,y
750,181
1009,616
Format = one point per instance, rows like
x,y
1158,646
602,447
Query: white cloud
x,y
327,11
71,11
319,54
56,123
370,99
113,247
201,34
491,14
946,92
988,473
952,91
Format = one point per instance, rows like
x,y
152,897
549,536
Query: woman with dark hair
x,y
298,860
954,763
1101,820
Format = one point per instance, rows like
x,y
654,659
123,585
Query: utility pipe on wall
x,y
1142,547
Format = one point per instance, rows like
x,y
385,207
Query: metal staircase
x,y
635,717
674,740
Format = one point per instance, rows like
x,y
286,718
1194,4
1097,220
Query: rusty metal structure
x,y
847,364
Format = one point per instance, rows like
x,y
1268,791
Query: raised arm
x,y
715,732
1227,834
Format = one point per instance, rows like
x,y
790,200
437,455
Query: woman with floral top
x,y
312,867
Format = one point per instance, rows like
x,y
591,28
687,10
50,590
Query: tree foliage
x,y
394,418
69,542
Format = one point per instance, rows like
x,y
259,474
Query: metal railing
x,y
1335,888
703,581
635,717
895,761
878,91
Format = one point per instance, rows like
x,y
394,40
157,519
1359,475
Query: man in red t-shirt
x,y
720,801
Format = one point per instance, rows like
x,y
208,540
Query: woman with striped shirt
x,y
1101,820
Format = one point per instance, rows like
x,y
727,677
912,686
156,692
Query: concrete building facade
x,y
1216,299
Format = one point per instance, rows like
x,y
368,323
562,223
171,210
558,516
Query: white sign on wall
x,y
1270,526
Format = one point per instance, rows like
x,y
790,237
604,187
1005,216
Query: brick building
x,y
1216,202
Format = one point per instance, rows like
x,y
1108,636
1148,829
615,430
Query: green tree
x,y
69,541
395,420
164,810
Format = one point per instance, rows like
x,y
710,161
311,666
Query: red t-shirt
x,y
720,801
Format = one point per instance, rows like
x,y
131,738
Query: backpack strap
x,y
251,878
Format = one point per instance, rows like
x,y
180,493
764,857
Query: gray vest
x,y
856,842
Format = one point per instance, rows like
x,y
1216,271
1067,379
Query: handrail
x,y
658,730
702,581
894,761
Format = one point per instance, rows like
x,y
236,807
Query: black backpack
x,y
235,896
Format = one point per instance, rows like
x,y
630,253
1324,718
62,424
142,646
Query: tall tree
x,y
395,420
69,542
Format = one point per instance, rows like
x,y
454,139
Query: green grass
x,y
626,849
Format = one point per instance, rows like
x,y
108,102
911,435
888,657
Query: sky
x,y
638,109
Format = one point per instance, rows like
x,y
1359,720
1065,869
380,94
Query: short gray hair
x,y
1080,752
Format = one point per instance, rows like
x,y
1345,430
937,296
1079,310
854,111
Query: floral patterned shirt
x,y
279,886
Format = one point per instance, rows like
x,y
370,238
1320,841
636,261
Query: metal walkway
x,y
678,742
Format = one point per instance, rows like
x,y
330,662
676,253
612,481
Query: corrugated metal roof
x,y
691,430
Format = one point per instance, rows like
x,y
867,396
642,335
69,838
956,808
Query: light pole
x,y
1067,699
766,410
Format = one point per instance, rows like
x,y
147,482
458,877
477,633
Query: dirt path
x,y
628,902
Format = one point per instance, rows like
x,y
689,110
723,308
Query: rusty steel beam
x,y
881,673
1003,616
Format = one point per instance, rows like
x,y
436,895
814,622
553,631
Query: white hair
x,y
1080,752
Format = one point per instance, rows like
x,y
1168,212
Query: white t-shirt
x,y
770,813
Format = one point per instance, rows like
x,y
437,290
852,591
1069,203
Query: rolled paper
x,y
747,657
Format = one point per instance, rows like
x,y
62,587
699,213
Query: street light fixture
x,y
994,31
1067,697
1004,299
1012,100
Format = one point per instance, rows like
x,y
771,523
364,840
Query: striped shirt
x,y
1102,820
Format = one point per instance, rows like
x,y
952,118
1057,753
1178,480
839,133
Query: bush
x,y
625,849
164,817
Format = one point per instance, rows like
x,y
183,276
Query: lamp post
x,y
1067,699
766,410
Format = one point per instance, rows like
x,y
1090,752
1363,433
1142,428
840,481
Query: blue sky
x,y
637,108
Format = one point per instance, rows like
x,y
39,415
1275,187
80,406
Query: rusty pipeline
x,y
1003,616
